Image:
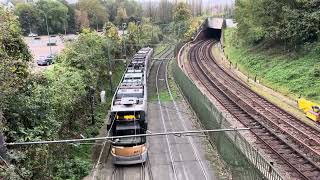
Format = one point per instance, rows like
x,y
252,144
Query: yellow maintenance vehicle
x,y
311,109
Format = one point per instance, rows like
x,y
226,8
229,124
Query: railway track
x,y
292,144
179,170
135,172
162,52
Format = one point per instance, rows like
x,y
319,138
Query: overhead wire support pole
x,y
109,64
46,19
188,133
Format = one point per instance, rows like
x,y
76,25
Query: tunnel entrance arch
x,y
211,29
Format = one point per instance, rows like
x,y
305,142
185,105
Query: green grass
x,y
292,74
159,48
172,84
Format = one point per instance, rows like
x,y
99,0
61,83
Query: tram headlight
x,y
113,150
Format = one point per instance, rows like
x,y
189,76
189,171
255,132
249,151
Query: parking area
x,y
38,47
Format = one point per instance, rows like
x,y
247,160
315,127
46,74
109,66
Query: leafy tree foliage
x,y
55,106
165,11
82,20
111,32
28,17
183,25
32,17
132,8
143,34
182,13
14,56
56,14
287,22
70,25
121,15
96,12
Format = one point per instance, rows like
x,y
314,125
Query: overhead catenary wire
x,y
182,133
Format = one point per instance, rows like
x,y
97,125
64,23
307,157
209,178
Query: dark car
x,y
52,43
45,61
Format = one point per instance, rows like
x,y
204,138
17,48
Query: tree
x,y
14,58
121,15
82,20
55,13
165,12
70,23
283,22
182,13
182,19
133,9
143,34
96,12
111,32
150,11
28,17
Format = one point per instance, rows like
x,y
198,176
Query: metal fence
x,y
245,161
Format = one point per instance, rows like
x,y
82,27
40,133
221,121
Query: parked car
x,y
32,35
45,61
52,43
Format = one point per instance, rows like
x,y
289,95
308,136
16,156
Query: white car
x,y
32,35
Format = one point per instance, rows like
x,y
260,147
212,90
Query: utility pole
x,y
110,72
92,90
65,25
124,25
45,15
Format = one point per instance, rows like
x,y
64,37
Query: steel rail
x,y
142,171
205,74
256,115
164,126
169,120
190,139
162,52
250,98
149,167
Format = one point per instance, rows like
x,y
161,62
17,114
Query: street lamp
x,y
45,15
109,64
139,22
124,25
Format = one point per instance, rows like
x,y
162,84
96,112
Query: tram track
x,y
172,163
178,168
289,142
141,171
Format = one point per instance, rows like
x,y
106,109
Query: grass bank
x,y
292,74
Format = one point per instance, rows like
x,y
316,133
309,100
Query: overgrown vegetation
x,y
289,23
54,105
63,17
290,73
278,41
57,103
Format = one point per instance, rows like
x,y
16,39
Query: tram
x,y
128,112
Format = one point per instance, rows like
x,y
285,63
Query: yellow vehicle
x,y
311,109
